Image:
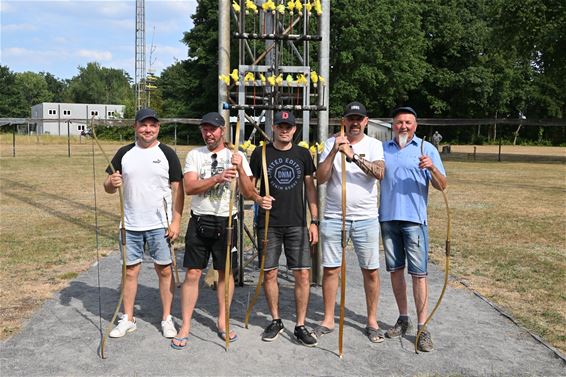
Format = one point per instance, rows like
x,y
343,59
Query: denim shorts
x,y
157,246
364,235
295,242
405,240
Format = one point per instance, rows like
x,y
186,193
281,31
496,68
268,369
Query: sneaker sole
x,y
305,344
272,339
120,336
388,336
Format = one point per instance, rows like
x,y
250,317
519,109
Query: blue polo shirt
x,y
404,188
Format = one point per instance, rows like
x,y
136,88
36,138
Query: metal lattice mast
x,y
139,80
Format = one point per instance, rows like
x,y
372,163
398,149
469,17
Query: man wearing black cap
x,y
149,172
364,168
403,216
290,170
207,175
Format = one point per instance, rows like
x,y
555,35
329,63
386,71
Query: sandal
x,y
222,335
183,342
374,335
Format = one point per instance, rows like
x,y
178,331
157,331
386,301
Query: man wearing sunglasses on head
x,y
207,174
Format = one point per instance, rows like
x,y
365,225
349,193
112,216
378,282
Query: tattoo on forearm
x,y
375,168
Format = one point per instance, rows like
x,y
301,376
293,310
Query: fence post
x,y
499,155
69,138
14,141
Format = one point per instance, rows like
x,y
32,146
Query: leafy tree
x,y
8,95
378,53
96,84
55,86
31,89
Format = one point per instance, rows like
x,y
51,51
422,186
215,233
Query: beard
x,y
403,139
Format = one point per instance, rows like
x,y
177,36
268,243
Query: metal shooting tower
x,y
276,39
274,62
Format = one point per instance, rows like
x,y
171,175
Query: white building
x,y
55,118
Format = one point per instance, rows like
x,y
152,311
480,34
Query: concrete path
x,y
470,337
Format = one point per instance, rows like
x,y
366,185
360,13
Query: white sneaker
x,y
168,327
124,326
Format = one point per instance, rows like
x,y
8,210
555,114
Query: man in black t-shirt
x,y
290,171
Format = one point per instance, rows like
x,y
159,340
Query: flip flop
x,y
180,340
374,335
222,335
322,330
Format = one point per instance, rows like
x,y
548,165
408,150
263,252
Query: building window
x,y
52,112
66,112
81,127
111,113
94,112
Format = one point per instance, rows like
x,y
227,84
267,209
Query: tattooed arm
x,y
373,168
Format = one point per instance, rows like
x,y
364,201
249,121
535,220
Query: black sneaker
x,y
400,329
272,331
305,337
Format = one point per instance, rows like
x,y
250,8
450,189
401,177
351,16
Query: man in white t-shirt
x,y
149,172
207,175
364,168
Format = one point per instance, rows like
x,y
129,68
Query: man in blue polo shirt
x,y
403,216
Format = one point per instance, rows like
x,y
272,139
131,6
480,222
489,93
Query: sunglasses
x,y
214,164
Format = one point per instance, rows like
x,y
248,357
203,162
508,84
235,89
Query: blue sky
x,y
57,36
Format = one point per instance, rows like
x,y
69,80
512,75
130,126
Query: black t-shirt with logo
x,y
286,171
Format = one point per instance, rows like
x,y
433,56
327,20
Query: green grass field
x,y
508,231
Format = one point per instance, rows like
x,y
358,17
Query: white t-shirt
x,y
361,189
216,200
146,174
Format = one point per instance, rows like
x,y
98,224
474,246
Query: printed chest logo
x,y
284,173
158,161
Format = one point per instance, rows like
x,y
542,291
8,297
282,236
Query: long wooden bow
x,y
171,243
344,241
228,265
123,236
446,258
264,241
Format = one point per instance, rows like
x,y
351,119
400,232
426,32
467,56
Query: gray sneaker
x,y
425,342
400,329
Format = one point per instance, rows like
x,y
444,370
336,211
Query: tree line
x,y
496,59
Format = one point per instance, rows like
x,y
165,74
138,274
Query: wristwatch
x,y
315,222
355,157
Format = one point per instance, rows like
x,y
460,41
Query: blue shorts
x,y
405,240
157,245
364,235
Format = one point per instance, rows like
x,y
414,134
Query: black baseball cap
x,y
213,118
145,113
403,110
284,117
355,108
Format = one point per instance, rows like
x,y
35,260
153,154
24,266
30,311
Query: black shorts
x,y
295,241
199,247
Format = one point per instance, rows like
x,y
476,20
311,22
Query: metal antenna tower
x,y
139,80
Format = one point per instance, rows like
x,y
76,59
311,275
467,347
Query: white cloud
x,y
96,55
180,6
19,27
16,52
6,7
